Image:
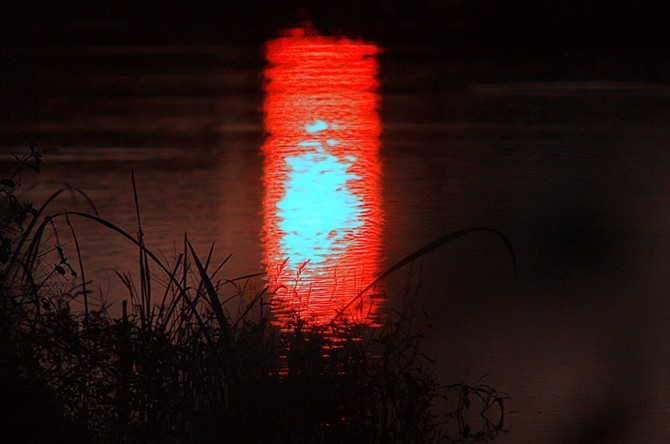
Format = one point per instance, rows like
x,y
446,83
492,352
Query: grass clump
x,y
179,365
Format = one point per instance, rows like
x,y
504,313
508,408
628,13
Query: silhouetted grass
x,y
179,367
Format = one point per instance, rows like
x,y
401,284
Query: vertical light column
x,y
322,206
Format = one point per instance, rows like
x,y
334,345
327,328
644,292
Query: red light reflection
x,y
322,206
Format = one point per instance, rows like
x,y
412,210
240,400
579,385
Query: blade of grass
x,y
145,274
185,317
429,247
169,286
207,262
81,269
182,291
24,237
213,295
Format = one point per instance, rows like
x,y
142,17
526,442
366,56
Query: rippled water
x,y
569,160
322,172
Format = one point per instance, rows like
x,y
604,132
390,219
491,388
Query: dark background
x,y
560,141
521,28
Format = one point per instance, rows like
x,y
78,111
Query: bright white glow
x,y
318,209
317,126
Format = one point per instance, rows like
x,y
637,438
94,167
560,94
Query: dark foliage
x,y
180,366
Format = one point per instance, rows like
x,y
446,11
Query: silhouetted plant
x,y
180,365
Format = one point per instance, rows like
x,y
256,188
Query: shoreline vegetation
x,y
180,366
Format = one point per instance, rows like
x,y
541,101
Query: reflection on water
x,y
322,176
581,342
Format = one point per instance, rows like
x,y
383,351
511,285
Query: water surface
x,y
569,160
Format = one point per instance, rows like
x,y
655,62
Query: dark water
x,y
570,160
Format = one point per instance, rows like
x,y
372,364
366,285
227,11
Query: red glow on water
x,y
322,205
